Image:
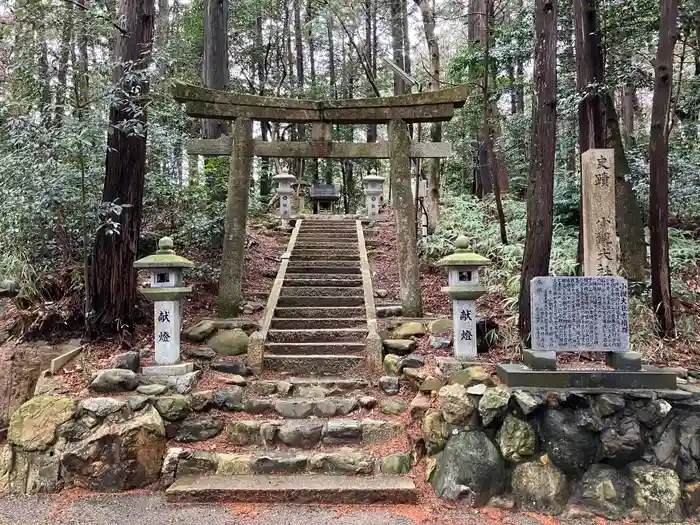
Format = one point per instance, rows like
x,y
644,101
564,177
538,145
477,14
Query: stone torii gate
x,y
396,111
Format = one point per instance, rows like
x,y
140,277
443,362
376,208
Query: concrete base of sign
x,y
179,369
519,376
540,360
626,361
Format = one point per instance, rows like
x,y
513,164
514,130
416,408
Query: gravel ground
x,y
151,509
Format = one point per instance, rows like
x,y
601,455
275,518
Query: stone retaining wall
x,y
613,454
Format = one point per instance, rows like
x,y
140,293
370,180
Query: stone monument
x,y
464,288
373,194
167,290
285,191
581,314
600,254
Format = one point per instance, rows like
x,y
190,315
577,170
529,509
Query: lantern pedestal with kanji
x,y
464,288
285,191
167,290
373,194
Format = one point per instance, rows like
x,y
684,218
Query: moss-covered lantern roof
x,y
164,258
462,256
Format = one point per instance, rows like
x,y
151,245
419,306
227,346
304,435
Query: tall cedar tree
x,y
112,276
215,73
658,167
540,192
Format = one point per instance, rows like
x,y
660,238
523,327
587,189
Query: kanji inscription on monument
x,y
572,314
464,316
598,212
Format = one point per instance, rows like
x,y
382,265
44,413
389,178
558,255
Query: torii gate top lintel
x,y
429,106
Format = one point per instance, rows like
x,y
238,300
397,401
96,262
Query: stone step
x,y
328,231
347,277
307,324
324,252
314,312
319,335
322,291
334,385
330,348
316,488
316,365
309,433
326,264
349,281
295,407
328,236
320,301
307,267
326,257
320,245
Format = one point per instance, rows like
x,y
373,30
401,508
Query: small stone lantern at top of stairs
x,y
464,288
167,290
285,191
373,194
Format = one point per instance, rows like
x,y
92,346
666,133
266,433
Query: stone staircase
x,y
311,431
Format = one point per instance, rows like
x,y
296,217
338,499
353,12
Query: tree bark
x,y
658,168
215,73
310,16
628,96
589,72
397,44
433,193
404,214
628,215
540,193
299,56
233,257
113,277
261,73
371,56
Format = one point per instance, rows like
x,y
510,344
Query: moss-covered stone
x,y
396,464
33,425
406,330
229,342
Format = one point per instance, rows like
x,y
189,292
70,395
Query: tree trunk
x,y
589,71
310,16
658,169
630,226
628,96
265,179
540,192
215,72
113,277
82,77
433,193
299,53
62,73
404,214
371,56
397,44
233,257
162,33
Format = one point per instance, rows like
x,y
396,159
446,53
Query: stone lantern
x,y
167,290
373,194
285,191
464,288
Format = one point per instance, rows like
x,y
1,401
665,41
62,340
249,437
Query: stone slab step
x,y
328,231
301,312
320,301
307,324
323,237
322,252
306,267
325,264
320,245
319,335
295,407
299,385
310,488
317,365
325,257
330,348
322,291
350,281
309,434
345,277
